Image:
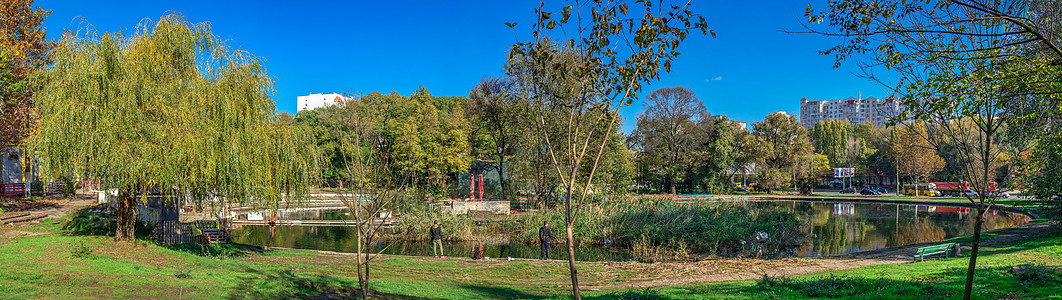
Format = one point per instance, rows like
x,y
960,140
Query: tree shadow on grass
x,y
218,250
286,284
92,220
496,292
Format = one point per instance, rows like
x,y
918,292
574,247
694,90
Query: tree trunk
x,y
126,216
501,177
898,175
671,182
973,252
568,224
571,261
363,277
365,283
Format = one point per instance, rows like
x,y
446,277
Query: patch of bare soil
x,y
19,233
35,209
12,205
643,275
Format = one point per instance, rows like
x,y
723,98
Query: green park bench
x,y
933,250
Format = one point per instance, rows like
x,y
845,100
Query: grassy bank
x,y
57,265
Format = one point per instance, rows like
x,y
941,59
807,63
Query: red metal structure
x,y
472,187
480,187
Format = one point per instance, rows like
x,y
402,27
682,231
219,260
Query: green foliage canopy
x,y
170,106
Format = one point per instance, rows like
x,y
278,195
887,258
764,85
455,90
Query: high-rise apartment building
x,y
313,101
855,110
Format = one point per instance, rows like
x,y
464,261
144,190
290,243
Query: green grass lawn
x,y
58,265
942,278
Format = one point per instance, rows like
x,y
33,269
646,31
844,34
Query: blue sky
x,y
750,70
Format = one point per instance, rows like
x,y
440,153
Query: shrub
x,y
81,250
768,282
642,294
183,274
1034,274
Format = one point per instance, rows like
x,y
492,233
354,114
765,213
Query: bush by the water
x,y
705,227
669,230
655,230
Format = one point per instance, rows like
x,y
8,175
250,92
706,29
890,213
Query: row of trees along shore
x,y
171,105
677,146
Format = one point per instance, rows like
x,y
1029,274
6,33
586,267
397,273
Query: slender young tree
x,y
169,106
586,73
374,189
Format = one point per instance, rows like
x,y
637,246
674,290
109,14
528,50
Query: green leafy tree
x,y
820,165
496,112
781,149
426,136
1045,172
587,68
170,106
830,138
324,123
721,153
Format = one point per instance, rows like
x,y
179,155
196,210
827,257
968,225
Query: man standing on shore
x,y
436,240
544,236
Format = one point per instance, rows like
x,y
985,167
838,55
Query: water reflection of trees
x,y
838,228
857,227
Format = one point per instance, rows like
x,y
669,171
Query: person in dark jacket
x,y
544,236
436,240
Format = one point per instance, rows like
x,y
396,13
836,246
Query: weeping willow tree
x,y
170,106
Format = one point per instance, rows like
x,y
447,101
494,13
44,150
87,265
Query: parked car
x,y
741,189
999,195
881,190
866,191
969,193
849,190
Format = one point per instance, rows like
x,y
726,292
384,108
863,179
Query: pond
x,y
832,228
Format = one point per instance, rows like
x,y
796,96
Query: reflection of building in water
x,y
962,211
844,209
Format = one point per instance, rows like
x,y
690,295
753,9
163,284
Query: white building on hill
x,y
318,100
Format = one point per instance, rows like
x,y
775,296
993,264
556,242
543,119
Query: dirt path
x,y
725,269
37,210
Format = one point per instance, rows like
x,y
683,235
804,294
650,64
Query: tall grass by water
x,y
652,229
